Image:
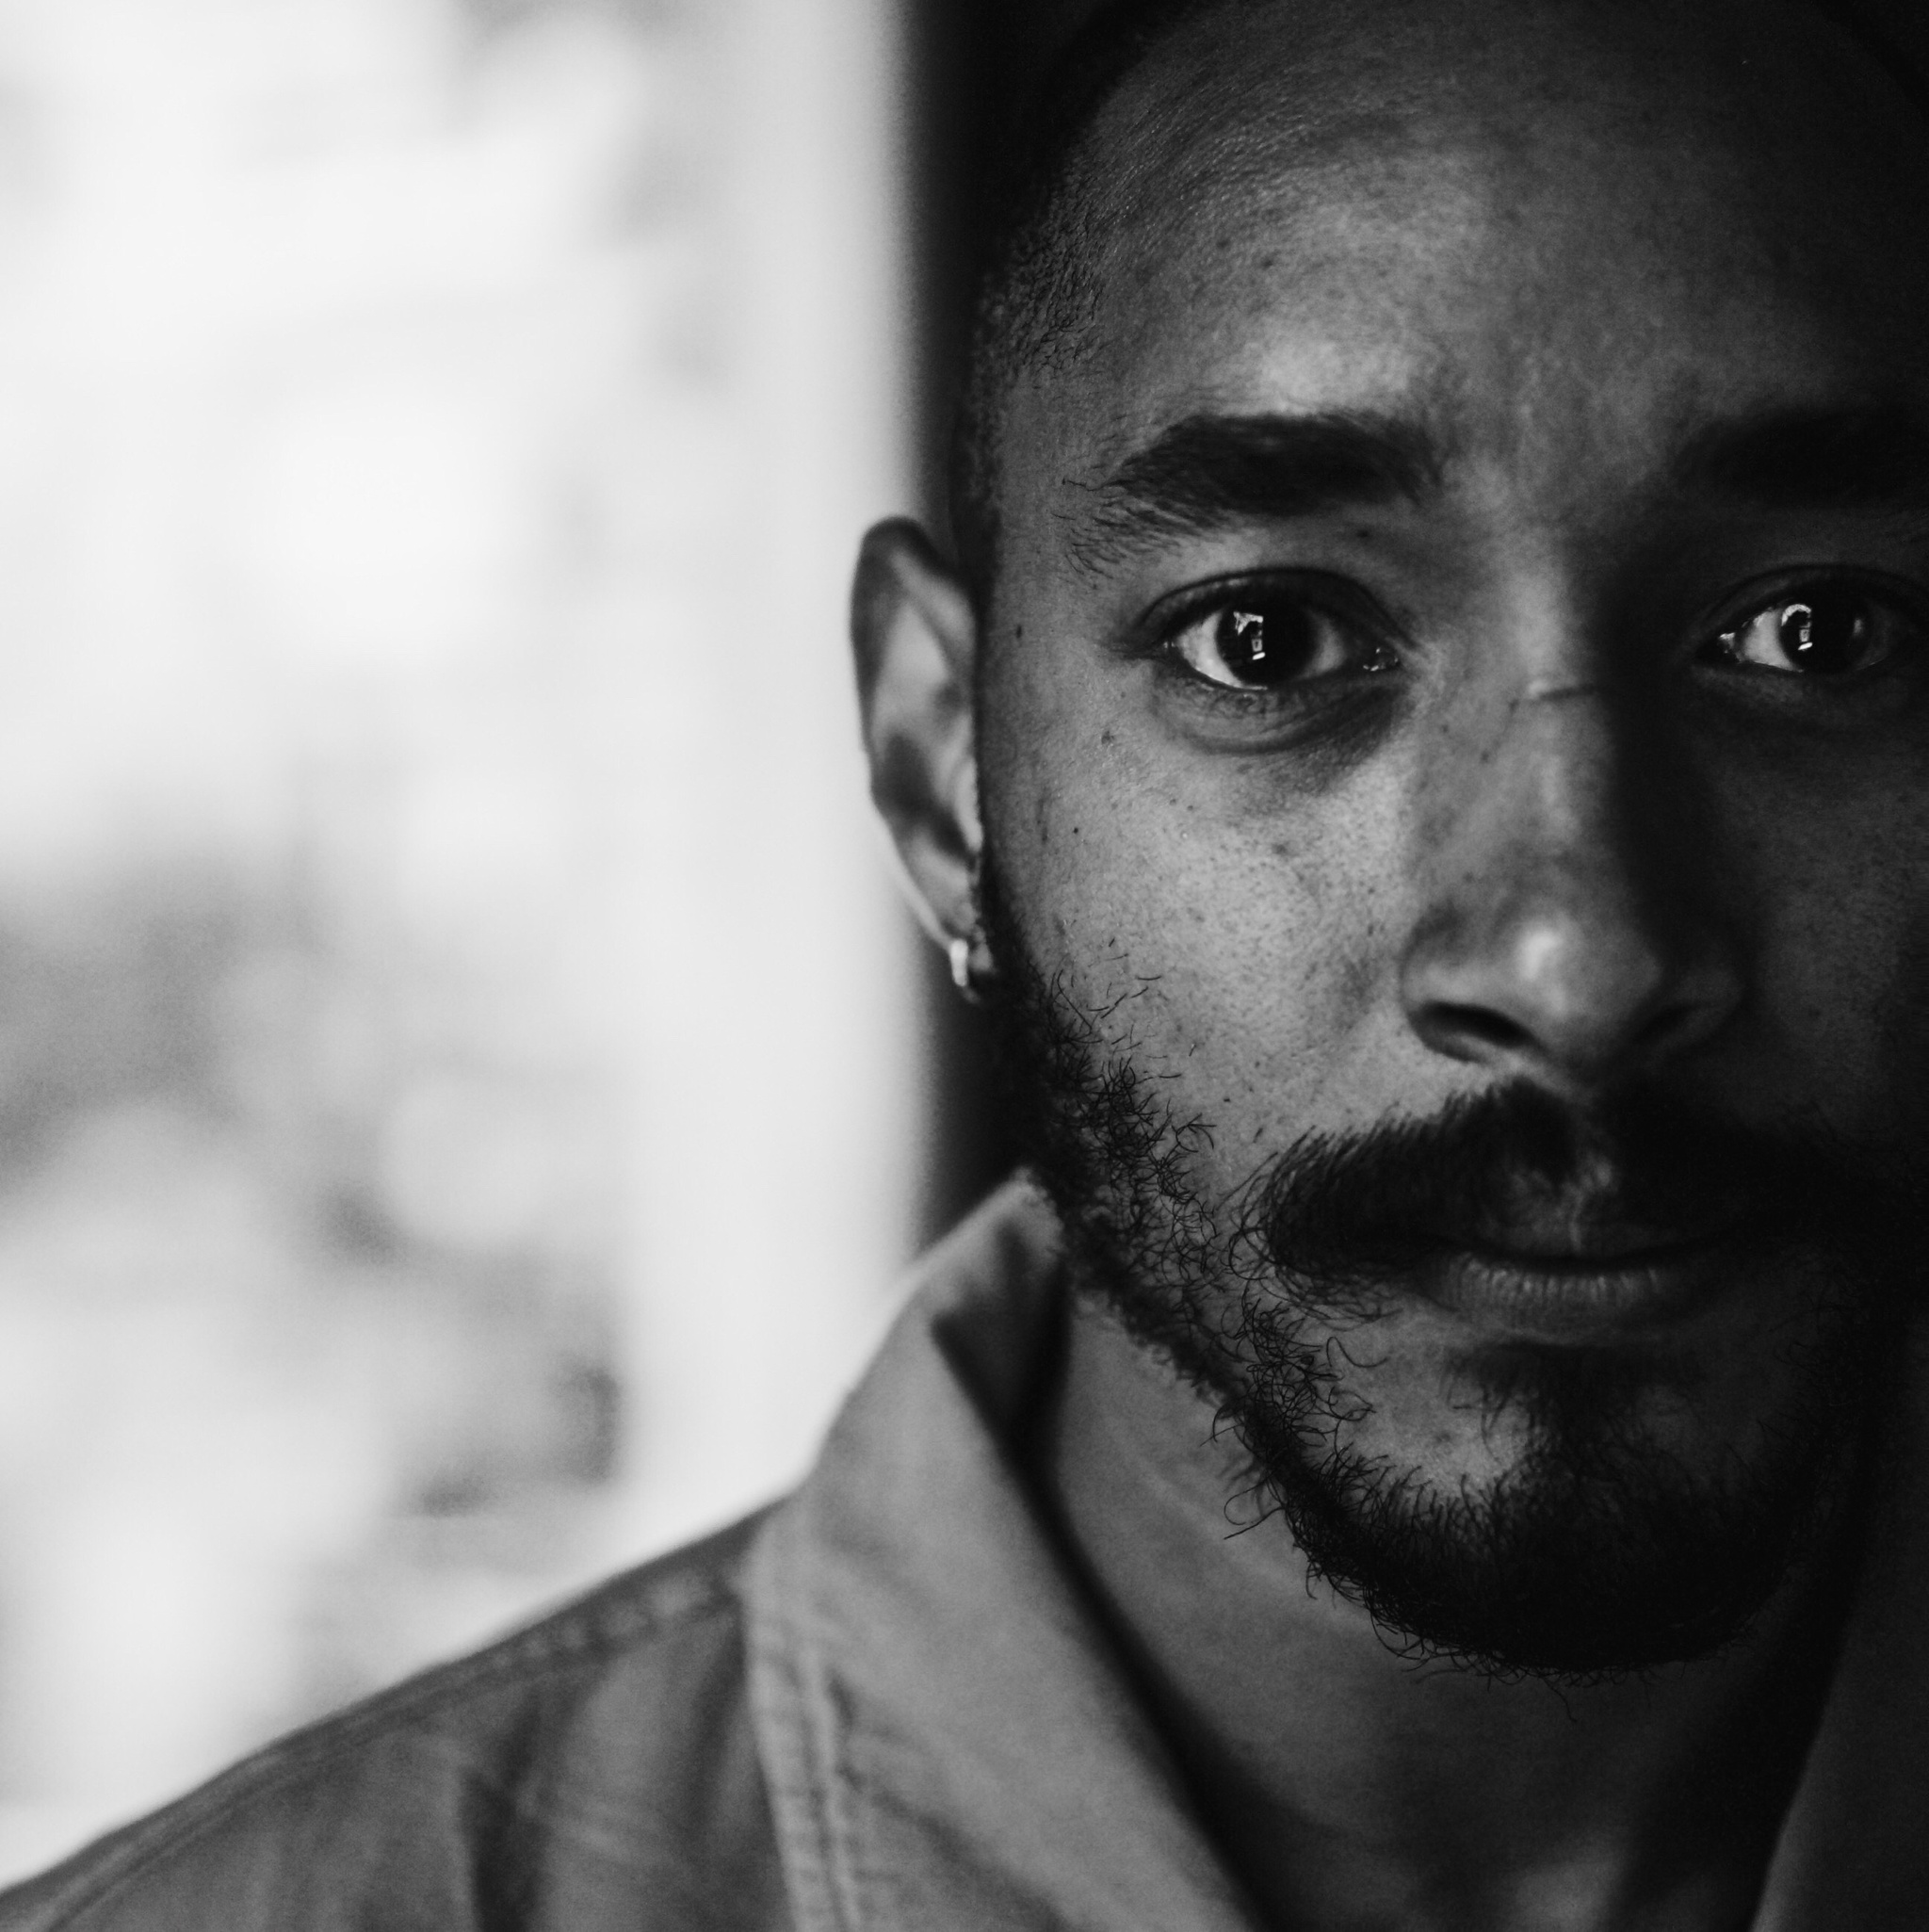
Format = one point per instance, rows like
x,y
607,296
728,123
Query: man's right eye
x,y
1268,639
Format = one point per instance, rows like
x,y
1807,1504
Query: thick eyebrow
x,y
1208,472
1820,459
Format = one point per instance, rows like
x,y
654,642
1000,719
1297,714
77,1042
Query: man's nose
x,y
1564,936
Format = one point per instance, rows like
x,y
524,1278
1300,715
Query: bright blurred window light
x,y
458,1121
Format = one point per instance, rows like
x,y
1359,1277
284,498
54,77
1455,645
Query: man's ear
x,y
916,635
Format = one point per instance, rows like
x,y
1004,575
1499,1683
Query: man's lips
x,y
1619,1280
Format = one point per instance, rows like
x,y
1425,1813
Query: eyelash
x,y
1889,606
1323,603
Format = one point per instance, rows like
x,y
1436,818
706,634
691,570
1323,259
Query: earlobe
x,y
916,635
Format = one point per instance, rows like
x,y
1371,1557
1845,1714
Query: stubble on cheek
x,y
1540,1508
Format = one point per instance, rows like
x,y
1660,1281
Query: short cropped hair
x,y
1035,288
1037,285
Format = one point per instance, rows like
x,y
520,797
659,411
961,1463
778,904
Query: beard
x,y
1596,1551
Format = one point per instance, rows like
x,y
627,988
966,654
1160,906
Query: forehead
x,y
1544,229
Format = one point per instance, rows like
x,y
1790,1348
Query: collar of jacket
x,y
951,1744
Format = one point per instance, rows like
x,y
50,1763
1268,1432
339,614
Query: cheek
x,y
1845,985
1840,970
1226,939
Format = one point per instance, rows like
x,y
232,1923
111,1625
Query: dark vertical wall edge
x,y
956,71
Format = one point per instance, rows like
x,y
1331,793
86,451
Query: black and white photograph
x,y
964,966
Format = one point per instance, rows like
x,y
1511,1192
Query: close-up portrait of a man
x,y
1414,736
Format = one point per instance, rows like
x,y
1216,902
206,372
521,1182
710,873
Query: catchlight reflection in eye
x,y
1829,631
1268,641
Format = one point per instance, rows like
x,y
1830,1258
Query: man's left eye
x,y
1829,630
1261,641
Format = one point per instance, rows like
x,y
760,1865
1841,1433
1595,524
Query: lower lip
x,y
1580,1298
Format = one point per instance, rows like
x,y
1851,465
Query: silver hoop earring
x,y
966,974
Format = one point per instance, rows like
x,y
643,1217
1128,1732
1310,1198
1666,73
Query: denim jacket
x,y
880,1706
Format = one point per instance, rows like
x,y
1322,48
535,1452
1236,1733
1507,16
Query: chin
x,y
1574,1512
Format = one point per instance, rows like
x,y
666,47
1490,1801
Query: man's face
x,y
1459,671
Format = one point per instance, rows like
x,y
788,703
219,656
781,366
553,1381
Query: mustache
x,y
1643,1167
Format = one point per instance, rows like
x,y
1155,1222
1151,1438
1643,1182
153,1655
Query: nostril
x,y
1479,1023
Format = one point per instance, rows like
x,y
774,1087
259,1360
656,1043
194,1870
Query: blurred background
x,y
467,1085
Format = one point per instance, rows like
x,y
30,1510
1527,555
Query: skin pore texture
x,y
1461,632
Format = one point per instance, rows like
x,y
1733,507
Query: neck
x,y
1353,1787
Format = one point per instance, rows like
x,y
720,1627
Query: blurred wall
x,y
459,1114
